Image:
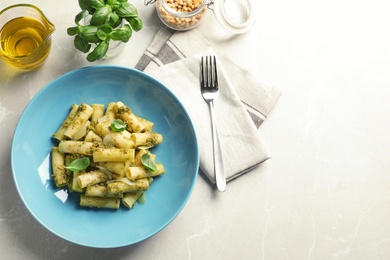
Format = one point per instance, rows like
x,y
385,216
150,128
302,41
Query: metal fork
x,y
209,90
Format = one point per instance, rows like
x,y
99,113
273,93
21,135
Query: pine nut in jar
x,y
181,15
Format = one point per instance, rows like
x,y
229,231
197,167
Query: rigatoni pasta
x,y
59,135
116,145
59,171
84,112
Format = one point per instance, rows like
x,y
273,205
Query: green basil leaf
x,y
122,34
126,10
101,35
79,164
100,16
96,4
81,44
148,163
89,33
99,52
71,31
105,28
135,22
80,16
113,20
86,5
113,3
103,31
118,125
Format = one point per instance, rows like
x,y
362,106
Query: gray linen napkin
x,y
174,59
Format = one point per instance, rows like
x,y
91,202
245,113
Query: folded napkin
x,y
243,103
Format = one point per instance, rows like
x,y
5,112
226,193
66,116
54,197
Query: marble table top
x,y
325,194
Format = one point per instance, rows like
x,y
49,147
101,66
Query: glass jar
x,y
181,15
235,16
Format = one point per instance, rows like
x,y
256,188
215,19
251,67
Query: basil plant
x,y
110,20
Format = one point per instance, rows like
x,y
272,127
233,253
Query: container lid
x,y
236,16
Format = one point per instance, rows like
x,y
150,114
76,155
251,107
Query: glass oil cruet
x,y
25,36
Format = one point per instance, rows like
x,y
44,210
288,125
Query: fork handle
x,y
219,172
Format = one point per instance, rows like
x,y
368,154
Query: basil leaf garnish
x,y
118,125
79,164
148,162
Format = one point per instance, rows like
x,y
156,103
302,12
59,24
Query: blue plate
x,y
57,209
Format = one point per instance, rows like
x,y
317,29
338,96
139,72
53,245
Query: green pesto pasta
x,y
116,173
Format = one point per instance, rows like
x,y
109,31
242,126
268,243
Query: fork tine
x,y
210,72
207,72
201,73
215,83
208,75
